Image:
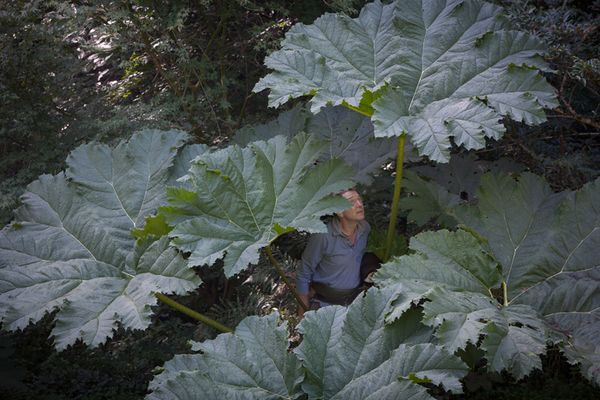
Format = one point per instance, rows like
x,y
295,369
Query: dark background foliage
x,y
76,71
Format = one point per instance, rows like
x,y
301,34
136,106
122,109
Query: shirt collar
x,y
336,228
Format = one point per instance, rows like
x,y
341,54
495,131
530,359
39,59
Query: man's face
x,y
357,211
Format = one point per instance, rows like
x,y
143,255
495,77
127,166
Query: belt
x,y
330,295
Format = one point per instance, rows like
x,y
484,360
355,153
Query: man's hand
x,y
306,300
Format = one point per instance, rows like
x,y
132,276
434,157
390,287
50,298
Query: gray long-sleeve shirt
x,y
331,258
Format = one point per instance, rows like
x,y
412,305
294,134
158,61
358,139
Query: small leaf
x,y
155,225
414,378
281,230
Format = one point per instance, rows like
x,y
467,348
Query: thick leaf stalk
x,y
285,279
396,199
191,313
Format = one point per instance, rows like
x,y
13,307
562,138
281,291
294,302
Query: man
x,y
331,261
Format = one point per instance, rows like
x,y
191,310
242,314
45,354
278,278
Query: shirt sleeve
x,y
312,255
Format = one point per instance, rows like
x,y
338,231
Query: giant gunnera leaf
x,y
456,275
346,353
432,191
349,136
437,70
70,248
549,247
243,198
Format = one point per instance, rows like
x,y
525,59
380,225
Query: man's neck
x,y
348,227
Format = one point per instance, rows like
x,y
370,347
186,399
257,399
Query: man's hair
x,y
352,189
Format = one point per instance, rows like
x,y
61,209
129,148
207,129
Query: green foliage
x,y
433,191
569,30
547,246
253,363
72,72
119,369
54,75
155,225
563,150
232,312
376,245
186,64
456,276
349,135
241,199
288,123
75,71
45,110
72,249
428,201
557,380
441,71
346,353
